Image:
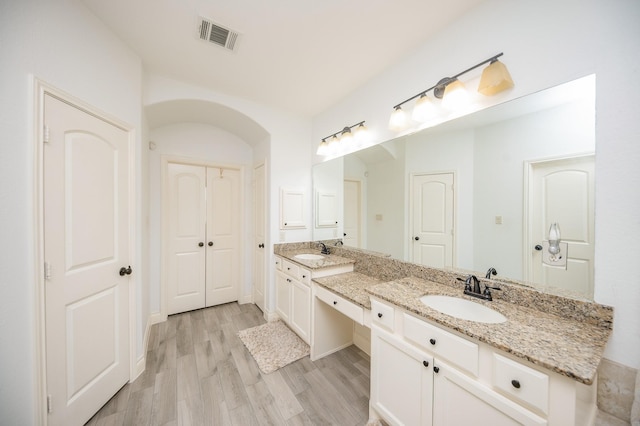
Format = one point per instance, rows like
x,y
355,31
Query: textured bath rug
x,y
273,345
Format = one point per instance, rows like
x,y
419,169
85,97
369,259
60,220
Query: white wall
x,y
542,49
205,143
64,45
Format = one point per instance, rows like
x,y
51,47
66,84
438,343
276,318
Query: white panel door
x,y
223,236
352,213
432,220
86,243
259,209
562,191
186,214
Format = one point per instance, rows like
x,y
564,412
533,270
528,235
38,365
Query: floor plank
x,y
199,372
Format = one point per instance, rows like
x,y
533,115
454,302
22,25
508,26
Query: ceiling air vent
x,y
216,34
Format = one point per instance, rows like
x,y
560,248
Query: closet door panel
x,y
223,235
186,231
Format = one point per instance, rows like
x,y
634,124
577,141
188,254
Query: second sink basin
x,y
309,256
463,309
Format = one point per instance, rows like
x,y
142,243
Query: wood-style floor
x,y
199,373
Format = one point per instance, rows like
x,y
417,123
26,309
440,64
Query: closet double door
x,y
203,229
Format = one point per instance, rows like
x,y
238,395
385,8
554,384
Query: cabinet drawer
x,y
290,268
341,304
382,315
304,276
454,349
521,382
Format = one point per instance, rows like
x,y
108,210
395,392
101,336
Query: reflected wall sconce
x,y
495,79
343,140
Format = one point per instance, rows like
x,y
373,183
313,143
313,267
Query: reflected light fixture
x,y
343,140
424,109
495,78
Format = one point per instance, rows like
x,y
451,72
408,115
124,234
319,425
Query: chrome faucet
x,y
472,288
324,250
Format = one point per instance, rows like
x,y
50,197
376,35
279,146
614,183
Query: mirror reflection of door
x,y
562,191
432,219
352,213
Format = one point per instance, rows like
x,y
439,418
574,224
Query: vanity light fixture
x,y
343,139
495,78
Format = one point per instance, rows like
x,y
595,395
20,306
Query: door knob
x,y
416,238
210,243
125,271
538,247
200,244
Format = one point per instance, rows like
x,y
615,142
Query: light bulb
x,y
398,120
423,110
455,96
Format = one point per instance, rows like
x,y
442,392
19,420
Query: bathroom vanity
x,y
538,367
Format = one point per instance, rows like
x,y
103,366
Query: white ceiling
x,y
298,55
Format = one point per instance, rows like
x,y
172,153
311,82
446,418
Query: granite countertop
x,y
568,347
350,285
327,261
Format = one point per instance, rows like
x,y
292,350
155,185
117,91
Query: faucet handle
x,y
467,283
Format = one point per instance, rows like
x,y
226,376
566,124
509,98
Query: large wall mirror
x,y
478,192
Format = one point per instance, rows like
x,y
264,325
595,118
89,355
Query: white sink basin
x,y
309,256
463,309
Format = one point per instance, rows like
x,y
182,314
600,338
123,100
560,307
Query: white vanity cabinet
x,y
425,374
293,296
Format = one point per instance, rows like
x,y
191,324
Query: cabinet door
x,y
326,210
283,296
401,381
300,318
291,209
460,400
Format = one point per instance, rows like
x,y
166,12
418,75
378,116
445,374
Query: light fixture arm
x,y
346,129
438,88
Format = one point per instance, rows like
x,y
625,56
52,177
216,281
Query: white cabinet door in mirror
x,y
326,209
292,209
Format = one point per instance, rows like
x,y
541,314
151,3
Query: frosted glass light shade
x,y
398,120
361,134
323,148
455,96
495,78
346,138
423,109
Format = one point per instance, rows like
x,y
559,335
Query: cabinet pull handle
x,y
200,244
436,369
335,302
210,243
432,341
288,280
379,314
425,363
515,383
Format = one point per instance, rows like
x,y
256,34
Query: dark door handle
x,y
125,271
538,247
210,243
416,238
200,244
